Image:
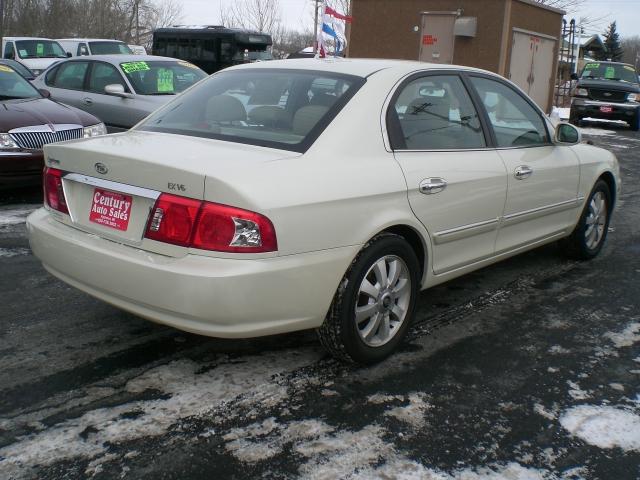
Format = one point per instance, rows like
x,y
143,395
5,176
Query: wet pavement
x,y
529,369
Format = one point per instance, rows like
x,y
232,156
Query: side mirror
x,y
117,90
44,92
69,54
574,76
567,134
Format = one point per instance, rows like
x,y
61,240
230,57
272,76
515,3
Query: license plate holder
x,y
606,109
111,209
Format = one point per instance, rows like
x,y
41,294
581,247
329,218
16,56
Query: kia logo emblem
x,y
101,168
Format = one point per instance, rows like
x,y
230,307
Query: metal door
x,y
437,38
532,65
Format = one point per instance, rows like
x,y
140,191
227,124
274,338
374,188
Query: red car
x,y
29,120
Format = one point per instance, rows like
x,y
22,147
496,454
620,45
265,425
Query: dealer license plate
x,y
110,209
606,109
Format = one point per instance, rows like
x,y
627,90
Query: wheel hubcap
x,y
383,300
596,221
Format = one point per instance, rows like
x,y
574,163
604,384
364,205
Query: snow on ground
x,y
604,426
15,215
14,252
190,392
626,338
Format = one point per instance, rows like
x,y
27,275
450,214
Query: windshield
x,y
278,108
161,77
39,49
109,48
259,56
13,85
610,71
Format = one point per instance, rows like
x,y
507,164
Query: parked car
x,y
20,68
37,54
119,89
78,47
28,120
319,208
609,91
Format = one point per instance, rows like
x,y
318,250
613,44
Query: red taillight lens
x,y
210,226
172,219
53,192
230,229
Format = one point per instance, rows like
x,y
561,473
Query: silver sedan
x,y
120,90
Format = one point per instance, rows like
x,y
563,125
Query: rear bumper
x,y
219,297
584,108
20,168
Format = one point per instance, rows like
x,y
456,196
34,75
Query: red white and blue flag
x,y
332,27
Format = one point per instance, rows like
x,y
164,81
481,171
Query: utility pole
x,y
315,26
2,20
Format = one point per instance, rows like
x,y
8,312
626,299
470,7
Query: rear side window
x,y
434,113
515,121
70,75
284,109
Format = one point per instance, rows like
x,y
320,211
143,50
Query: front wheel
x,y
587,239
374,303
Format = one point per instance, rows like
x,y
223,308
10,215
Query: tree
x,y
612,43
631,50
261,15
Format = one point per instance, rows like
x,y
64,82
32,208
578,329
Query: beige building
x,y
518,39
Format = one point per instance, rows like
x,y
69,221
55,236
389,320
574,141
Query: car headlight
x,y
95,130
633,97
582,92
7,143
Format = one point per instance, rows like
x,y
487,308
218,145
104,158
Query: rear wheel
x,y
588,237
374,303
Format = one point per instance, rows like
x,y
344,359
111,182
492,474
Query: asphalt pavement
x,y
529,369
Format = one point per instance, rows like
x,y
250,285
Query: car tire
x,y
574,119
635,124
385,308
587,239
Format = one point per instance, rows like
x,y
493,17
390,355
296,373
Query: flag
x,y
333,26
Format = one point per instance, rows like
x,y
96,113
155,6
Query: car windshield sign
x,y
161,77
278,108
14,86
39,49
610,71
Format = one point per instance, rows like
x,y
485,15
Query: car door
x,y
456,182
66,84
112,110
542,177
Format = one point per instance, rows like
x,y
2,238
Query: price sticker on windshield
x,y
4,68
40,49
187,64
165,80
131,67
609,72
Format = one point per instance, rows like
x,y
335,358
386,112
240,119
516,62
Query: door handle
x,y
522,172
429,186
87,101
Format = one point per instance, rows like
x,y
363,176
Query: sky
x,y
298,14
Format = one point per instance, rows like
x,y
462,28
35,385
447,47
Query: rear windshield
x,y
109,48
161,77
13,85
610,71
39,49
279,108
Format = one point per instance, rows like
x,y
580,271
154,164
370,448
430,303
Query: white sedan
x,y
321,194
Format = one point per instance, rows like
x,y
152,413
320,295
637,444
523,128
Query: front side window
x,y
284,109
515,121
71,75
109,48
82,49
435,113
13,85
161,77
8,50
103,74
40,49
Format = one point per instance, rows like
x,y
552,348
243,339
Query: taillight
x,y
210,226
53,192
